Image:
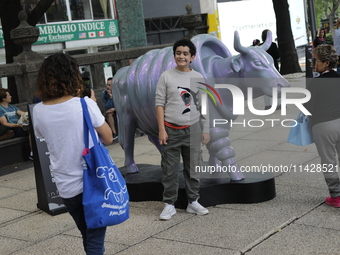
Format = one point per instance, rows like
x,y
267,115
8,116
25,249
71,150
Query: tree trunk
x,y
38,11
9,10
331,16
288,55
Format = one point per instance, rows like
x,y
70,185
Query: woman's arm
x,y
105,133
93,96
3,121
19,112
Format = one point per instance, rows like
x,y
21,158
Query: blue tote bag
x,y
105,195
301,133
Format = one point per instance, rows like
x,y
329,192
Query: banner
x,y
2,42
62,32
250,24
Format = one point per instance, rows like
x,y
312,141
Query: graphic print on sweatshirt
x,y
187,95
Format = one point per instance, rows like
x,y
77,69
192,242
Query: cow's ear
x,y
236,64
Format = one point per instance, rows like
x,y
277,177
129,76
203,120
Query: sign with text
x,y
250,24
62,32
48,195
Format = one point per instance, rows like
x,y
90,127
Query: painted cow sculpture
x,y
134,92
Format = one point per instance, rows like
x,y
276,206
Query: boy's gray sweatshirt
x,y
177,92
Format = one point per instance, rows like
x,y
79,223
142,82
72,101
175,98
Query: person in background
x,y
337,41
9,117
5,133
274,52
319,37
107,98
59,120
256,42
273,49
180,129
324,105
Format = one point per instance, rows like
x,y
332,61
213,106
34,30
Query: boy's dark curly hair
x,y
185,42
59,76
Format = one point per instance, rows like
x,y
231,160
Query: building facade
x,y
89,26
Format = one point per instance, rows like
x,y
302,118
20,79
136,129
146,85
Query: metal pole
x,y
311,18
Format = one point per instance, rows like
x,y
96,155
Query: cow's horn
x,y
237,45
266,45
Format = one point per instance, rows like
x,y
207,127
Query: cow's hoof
x,y
235,173
132,169
236,176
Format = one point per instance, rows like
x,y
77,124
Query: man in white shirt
x,y
337,40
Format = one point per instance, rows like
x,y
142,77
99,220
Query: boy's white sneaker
x,y
167,212
197,208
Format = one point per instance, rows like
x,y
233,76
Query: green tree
x,y
288,54
9,10
327,9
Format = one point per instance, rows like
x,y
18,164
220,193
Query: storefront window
x,y
80,9
29,5
57,11
101,9
77,10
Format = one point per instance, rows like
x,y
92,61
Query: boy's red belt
x,y
175,126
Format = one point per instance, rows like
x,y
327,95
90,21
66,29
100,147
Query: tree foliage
x,y
288,54
326,9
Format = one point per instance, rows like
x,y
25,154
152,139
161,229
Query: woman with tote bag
x,y
59,120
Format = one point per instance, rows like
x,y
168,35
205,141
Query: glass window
x,y
29,5
57,11
77,9
80,9
101,9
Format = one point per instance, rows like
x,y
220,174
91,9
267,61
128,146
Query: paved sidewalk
x,y
296,221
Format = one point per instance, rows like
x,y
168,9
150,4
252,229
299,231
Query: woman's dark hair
x,y
256,42
326,52
264,35
59,76
185,42
3,94
318,33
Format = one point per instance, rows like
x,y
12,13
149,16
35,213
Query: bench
x,y
17,149
14,150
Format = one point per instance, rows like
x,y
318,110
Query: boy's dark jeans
x,y
185,142
93,239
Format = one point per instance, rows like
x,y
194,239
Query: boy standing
x,y
180,131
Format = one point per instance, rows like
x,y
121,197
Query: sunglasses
x,y
314,61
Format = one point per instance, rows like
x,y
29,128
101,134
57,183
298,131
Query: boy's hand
x,y
163,137
205,138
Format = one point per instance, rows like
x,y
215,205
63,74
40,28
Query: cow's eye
x,y
257,63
